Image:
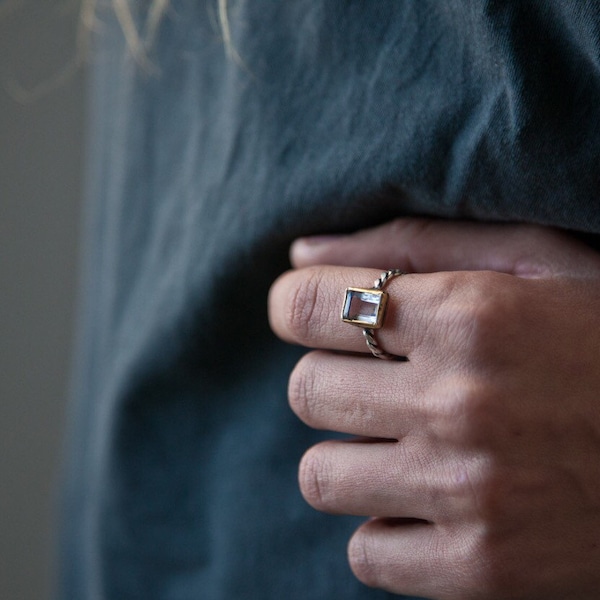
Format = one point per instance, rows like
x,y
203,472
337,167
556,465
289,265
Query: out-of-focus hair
x,y
140,41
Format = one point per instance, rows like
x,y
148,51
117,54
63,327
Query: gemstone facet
x,y
364,308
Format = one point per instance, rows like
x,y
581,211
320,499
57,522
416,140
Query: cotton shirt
x,y
321,117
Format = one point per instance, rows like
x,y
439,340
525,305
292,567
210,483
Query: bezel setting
x,y
364,307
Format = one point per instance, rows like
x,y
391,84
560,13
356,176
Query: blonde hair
x,y
141,41
138,41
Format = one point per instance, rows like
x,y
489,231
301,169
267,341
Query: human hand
x,y
479,458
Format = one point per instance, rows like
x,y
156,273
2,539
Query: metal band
x,y
385,277
369,334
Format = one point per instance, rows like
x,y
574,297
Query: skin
x,y
478,460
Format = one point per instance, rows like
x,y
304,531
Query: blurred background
x,y
41,161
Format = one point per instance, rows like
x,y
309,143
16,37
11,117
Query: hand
x,y
479,458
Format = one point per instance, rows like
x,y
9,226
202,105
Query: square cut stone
x,y
364,307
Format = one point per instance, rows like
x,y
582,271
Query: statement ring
x,y
366,308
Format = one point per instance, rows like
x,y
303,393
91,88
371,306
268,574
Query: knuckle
x,y
493,572
489,491
488,316
409,229
476,410
314,477
300,312
488,562
535,250
360,557
481,570
473,310
465,413
445,290
483,330
303,388
485,565
492,492
445,306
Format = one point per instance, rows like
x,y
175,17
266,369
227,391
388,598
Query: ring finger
x,y
305,306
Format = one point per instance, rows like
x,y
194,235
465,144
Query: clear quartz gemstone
x,y
362,306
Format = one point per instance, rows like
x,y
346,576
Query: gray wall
x,y
40,183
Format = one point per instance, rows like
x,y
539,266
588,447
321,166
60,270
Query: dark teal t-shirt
x,y
330,116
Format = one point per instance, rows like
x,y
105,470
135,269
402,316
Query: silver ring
x,y
366,308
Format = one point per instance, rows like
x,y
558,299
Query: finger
x,y
428,245
409,479
413,559
358,396
305,307
428,314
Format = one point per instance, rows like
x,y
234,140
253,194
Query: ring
x,y
366,308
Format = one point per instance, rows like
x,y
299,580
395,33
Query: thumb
x,y
428,245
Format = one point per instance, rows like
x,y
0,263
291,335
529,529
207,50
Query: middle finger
x,y
359,396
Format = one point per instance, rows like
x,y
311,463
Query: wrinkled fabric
x,y
323,117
